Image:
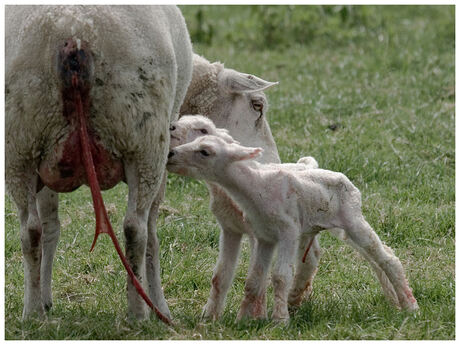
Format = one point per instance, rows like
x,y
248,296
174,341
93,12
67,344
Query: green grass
x,y
384,76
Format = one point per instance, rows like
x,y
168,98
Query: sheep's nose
x,y
170,154
172,128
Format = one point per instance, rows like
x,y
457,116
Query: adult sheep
x,y
90,93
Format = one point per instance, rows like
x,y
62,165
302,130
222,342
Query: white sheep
x,y
236,101
123,70
282,205
190,127
229,216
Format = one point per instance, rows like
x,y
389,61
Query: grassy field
x,y
368,91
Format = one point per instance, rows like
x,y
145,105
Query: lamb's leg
x,y
361,233
31,243
305,269
387,287
282,275
153,255
251,306
223,274
233,225
263,295
47,202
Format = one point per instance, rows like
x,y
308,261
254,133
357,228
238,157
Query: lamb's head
x,y
190,127
232,99
207,157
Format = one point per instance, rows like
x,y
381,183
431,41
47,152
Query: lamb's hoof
x,y
208,314
412,306
255,315
297,299
280,315
281,319
409,303
242,316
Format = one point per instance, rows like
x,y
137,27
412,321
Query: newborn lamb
x,y
284,204
227,212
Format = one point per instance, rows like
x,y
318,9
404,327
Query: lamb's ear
x,y
223,133
241,153
236,82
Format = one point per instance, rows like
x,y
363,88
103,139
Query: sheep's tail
x,y
75,65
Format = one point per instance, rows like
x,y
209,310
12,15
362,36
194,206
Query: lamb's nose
x,y
170,154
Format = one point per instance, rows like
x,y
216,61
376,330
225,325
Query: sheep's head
x,y
207,157
190,127
233,100
242,102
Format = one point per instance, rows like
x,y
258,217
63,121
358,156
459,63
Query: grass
x,y
386,84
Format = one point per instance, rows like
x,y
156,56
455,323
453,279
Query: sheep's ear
x,y
223,133
236,82
241,153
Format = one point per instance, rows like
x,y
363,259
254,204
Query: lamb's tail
x,y
75,68
309,161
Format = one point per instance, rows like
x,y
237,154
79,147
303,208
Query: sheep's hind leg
x,y
135,230
361,233
47,202
31,243
153,255
306,268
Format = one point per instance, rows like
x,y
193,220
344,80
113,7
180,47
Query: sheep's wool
x,y
202,92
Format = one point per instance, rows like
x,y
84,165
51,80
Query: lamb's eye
x,y
204,131
204,153
257,106
172,128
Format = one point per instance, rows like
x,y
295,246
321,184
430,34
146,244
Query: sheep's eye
x,y
204,153
172,128
204,131
257,106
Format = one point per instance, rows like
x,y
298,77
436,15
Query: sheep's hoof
x,y
48,306
35,314
141,314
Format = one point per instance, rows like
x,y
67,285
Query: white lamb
x,y
90,94
282,205
190,127
229,215
236,101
